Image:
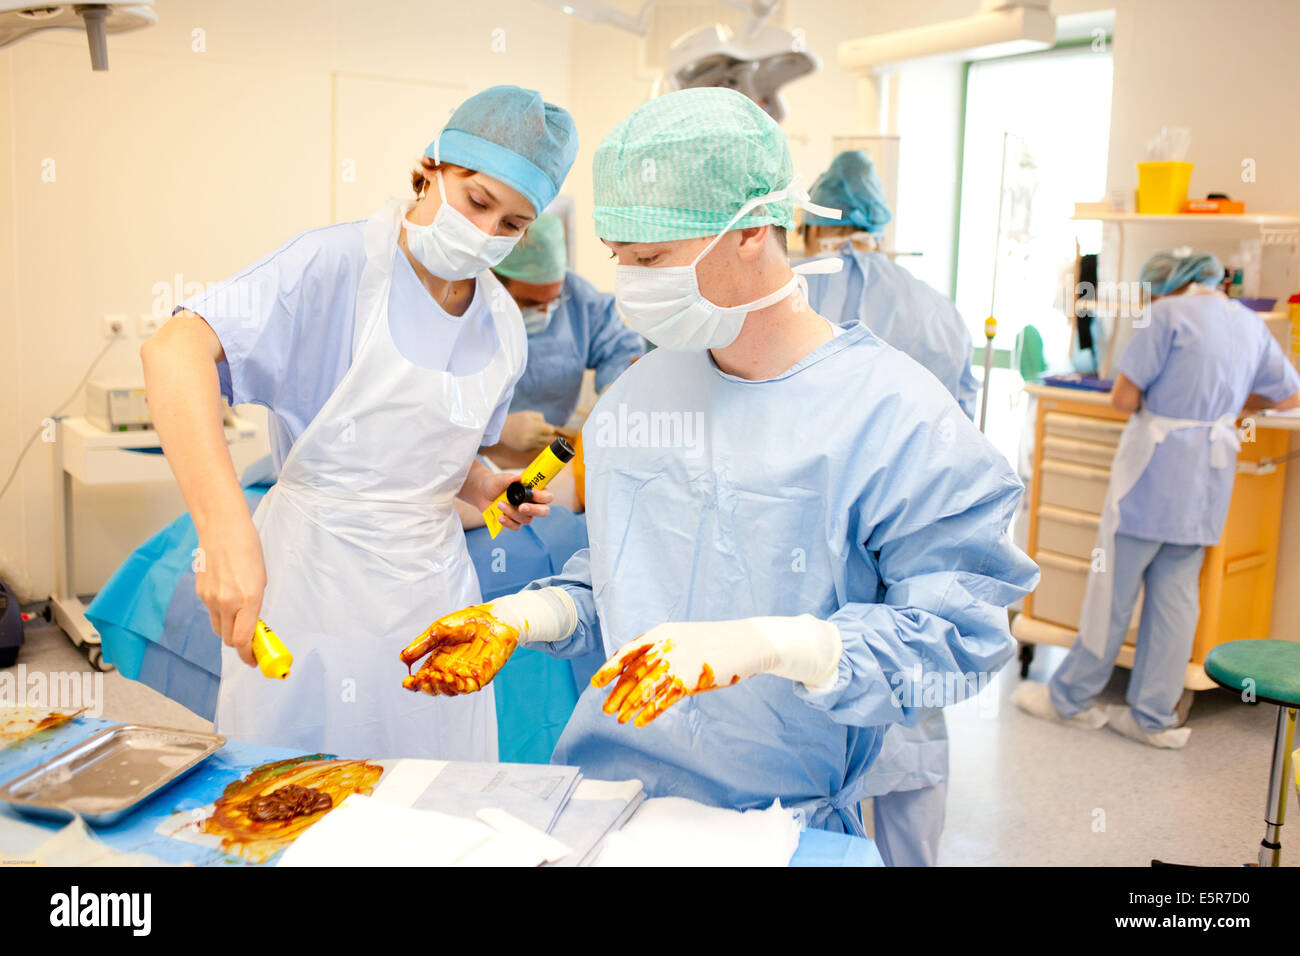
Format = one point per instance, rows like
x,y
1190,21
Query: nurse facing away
x,y
773,594
385,352
1195,361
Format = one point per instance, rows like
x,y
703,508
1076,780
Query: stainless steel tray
x,y
105,776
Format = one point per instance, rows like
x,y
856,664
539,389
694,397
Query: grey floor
x,y
47,649
1028,791
1022,791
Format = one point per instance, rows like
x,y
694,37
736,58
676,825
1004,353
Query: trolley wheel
x,y
1026,658
95,654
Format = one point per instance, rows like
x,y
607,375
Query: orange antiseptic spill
x,y
644,691
466,650
706,681
266,810
19,723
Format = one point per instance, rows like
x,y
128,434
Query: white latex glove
x,y
527,431
672,661
547,614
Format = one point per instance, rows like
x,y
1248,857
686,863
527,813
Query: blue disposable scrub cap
x,y
850,184
511,134
1167,271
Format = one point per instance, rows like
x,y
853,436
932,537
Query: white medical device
x,y
116,405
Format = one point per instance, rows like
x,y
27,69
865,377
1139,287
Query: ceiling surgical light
x,y
18,20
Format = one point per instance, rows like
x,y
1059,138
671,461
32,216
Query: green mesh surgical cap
x,y
540,257
681,166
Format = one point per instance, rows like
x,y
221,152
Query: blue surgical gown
x,y
850,487
585,332
1195,356
286,325
904,311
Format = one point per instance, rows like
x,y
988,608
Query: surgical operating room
x,y
810,434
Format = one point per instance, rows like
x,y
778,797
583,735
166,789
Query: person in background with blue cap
x,y
1195,360
797,538
907,313
909,781
571,328
386,353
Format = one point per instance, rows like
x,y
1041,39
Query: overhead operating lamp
x,y
18,20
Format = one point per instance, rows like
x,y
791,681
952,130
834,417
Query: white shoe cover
x,y
1122,722
1035,699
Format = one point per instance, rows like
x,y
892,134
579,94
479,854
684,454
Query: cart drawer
x,y
1059,595
1078,487
1066,531
1079,452
1082,428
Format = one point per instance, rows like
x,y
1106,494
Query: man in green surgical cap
x,y
796,536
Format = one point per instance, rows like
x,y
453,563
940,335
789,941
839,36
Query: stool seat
x,y
1274,666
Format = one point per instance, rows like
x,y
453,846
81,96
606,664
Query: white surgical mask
x,y
452,247
666,306
536,319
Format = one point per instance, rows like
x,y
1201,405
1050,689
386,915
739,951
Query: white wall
x,y
181,161
1229,72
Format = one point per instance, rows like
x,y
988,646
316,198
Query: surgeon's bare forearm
x,y
1126,396
180,372
470,490
1255,402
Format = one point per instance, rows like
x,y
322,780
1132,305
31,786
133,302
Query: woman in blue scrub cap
x,y
1195,360
385,352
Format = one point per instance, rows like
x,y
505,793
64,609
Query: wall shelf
x,y
1199,219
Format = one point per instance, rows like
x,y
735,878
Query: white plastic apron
x,y
364,550
1144,431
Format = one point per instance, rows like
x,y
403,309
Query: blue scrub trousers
x,y
908,824
1165,633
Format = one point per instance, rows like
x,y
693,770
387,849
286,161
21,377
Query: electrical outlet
x,y
149,324
114,326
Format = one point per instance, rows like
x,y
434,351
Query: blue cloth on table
x,y
823,848
135,833
157,631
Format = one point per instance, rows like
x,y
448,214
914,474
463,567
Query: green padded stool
x,y
1267,671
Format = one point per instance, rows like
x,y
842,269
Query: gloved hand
x,y
672,661
527,431
469,647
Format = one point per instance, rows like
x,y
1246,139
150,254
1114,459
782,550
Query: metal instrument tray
x,y
105,776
